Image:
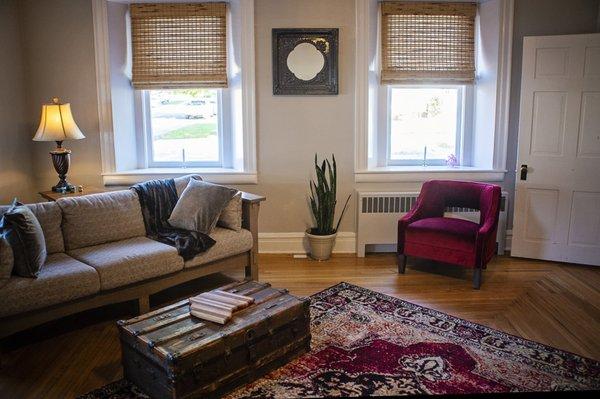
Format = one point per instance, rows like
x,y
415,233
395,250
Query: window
x,y
183,127
180,72
424,124
168,62
427,69
409,53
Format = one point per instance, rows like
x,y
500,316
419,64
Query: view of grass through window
x,y
423,117
184,125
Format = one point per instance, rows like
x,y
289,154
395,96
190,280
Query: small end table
x,y
53,196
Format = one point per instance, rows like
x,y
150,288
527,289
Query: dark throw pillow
x,y
23,232
200,205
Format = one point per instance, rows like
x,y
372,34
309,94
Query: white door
x,y
557,205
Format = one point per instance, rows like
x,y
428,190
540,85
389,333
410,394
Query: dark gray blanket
x,y
157,199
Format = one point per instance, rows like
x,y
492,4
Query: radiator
x,y
378,214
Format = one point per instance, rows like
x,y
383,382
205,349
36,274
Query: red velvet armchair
x,y
424,232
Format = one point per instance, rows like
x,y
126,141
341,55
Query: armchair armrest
x,y
425,207
485,242
486,228
412,216
250,208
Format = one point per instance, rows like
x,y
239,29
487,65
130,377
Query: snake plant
x,y
323,198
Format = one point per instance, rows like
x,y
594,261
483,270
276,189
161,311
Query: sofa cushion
x,y
100,218
128,261
61,279
228,243
50,217
452,233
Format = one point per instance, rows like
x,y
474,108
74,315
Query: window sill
x,y
213,175
393,174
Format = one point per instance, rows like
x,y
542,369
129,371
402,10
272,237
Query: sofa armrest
x,y
252,198
250,208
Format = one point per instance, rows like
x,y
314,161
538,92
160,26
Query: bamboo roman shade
x,y
432,42
179,45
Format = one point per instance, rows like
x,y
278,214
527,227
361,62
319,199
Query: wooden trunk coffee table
x,y
168,353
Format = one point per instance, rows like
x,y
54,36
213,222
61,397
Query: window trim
x,y
366,168
460,123
243,171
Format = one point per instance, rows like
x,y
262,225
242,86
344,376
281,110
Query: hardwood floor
x,y
552,303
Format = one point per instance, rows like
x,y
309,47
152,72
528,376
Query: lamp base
x,y
61,159
63,187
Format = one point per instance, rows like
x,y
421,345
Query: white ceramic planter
x,y
320,246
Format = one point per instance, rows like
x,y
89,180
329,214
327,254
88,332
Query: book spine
x,y
210,309
215,304
209,317
222,299
247,299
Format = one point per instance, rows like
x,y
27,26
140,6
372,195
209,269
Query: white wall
x,y
123,110
485,90
16,179
290,129
59,61
58,37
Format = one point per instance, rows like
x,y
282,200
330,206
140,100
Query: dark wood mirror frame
x,y
284,80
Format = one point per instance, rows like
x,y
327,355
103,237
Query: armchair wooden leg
x,y
477,278
401,263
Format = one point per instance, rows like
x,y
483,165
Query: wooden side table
x,y
53,196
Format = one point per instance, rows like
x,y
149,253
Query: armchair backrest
x,y
439,194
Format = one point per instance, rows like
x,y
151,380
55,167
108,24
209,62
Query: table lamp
x,y
57,124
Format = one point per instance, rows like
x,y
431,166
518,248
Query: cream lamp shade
x,y
57,123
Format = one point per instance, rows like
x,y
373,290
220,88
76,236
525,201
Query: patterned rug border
x,y
523,341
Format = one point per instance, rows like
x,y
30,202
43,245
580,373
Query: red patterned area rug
x,y
370,344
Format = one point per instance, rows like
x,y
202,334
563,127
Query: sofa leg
x,y
477,278
144,304
401,263
251,272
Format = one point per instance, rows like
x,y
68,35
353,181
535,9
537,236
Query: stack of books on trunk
x,y
218,306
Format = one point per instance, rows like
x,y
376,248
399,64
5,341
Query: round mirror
x,y
305,61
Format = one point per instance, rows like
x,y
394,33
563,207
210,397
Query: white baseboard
x,y
508,241
295,243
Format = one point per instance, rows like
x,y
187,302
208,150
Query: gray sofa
x,y
98,254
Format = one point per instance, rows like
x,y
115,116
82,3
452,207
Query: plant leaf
x,y
342,214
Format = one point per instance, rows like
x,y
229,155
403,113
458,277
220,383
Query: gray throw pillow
x,y
23,232
181,182
6,259
200,205
231,216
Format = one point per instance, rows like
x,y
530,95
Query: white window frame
x,y
368,164
239,167
463,111
143,114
